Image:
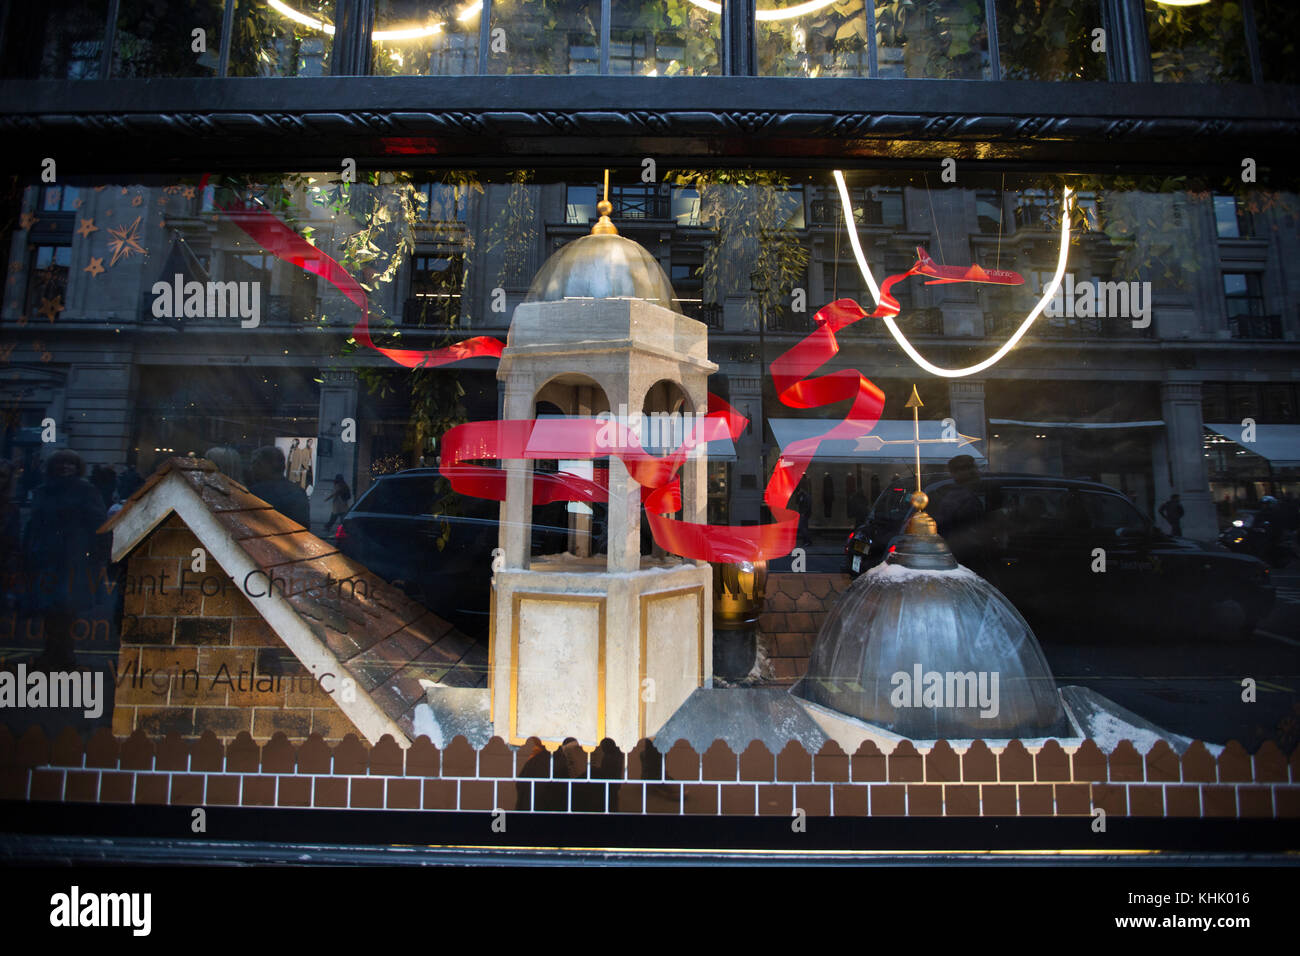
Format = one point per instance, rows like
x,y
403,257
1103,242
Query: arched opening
x,y
666,420
561,527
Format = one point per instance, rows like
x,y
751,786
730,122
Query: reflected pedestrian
x,y
227,461
270,484
63,555
1172,512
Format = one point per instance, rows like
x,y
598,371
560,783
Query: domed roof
x,y
930,650
602,266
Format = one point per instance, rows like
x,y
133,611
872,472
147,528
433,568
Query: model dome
x,y
603,265
930,650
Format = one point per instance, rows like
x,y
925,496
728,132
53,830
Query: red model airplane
x,y
945,274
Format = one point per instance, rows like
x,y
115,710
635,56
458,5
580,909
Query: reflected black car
x,y
412,530
1074,555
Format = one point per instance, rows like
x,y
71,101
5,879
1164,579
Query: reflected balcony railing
x,y
826,212
1255,326
278,310
431,311
710,313
1062,327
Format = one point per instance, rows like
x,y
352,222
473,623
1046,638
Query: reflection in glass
x,y
48,278
1050,40
1202,44
157,38
1278,24
677,38
831,41
418,37
1231,217
271,42
935,39
545,36
56,42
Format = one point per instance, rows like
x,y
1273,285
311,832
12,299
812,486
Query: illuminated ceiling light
x,y
407,33
1048,292
786,13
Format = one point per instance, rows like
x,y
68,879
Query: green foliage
x,y
1203,44
267,43
660,29
513,234
751,211
1049,40
832,41
938,39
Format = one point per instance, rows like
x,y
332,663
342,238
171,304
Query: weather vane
x,y
875,442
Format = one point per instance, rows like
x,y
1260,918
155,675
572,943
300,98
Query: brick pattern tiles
x,y
197,657
942,782
792,615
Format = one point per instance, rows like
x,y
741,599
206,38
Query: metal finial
x,y
603,226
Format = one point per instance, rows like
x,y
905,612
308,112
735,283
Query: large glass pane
x,y
1200,44
545,36
1277,23
813,39
293,38
652,38
57,41
1050,40
426,38
933,39
1081,434
167,38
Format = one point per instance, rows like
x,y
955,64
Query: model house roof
x,y
330,611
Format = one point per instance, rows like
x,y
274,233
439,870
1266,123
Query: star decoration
x,y
76,203
188,192
173,188
125,241
137,200
22,320
99,189
108,213
125,190
86,228
50,307
162,200
96,265
27,220
48,274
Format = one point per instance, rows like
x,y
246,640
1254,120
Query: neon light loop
x,y
846,206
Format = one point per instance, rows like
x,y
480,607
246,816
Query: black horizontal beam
x,y
138,125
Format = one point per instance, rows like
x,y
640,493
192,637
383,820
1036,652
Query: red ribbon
x,y
589,439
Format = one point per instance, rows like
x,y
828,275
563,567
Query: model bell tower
x,y
600,639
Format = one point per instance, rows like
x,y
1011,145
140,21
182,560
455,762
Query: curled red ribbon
x,y
590,438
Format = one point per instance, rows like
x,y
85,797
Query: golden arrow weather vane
x,y
875,442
